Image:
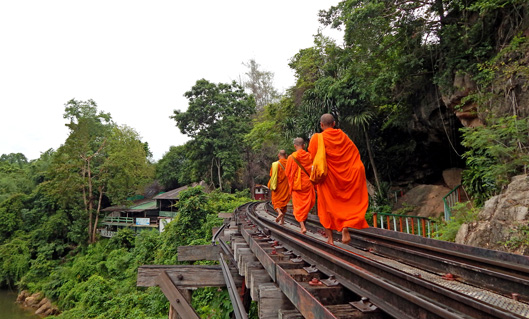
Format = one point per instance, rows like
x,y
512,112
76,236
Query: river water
x,y
11,310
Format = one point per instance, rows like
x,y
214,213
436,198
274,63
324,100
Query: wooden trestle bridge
x,y
379,274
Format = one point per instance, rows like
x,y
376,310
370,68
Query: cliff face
x,y
506,92
503,222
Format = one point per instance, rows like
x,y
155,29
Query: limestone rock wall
x,y
503,222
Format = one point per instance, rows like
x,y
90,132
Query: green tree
x,y
175,168
13,180
18,159
11,211
217,118
98,160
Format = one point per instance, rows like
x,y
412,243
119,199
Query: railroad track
x,y
383,274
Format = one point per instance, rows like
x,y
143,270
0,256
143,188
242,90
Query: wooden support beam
x,y
271,300
176,298
225,215
289,314
199,252
186,276
257,277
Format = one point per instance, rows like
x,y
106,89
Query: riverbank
x,y
37,303
12,310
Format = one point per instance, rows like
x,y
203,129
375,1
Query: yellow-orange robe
x,y
301,188
281,192
342,196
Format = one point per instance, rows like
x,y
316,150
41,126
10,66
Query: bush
x,y
496,153
461,214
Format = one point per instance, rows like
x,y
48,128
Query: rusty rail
x,y
504,273
360,274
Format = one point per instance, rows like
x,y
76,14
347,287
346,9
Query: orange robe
x,y
281,195
342,196
303,195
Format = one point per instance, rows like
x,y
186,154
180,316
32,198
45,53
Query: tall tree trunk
x,y
94,228
372,161
219,175
85,201
211,172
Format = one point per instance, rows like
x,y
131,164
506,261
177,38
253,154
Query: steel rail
x,y
501,272
502,277
403,292
238,307
306,303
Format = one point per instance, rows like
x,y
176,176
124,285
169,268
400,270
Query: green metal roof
x,y
146,205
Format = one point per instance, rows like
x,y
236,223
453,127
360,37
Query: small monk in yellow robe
x,y
278,184
299,164
342,196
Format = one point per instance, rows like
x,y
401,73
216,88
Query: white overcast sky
x,y
136,59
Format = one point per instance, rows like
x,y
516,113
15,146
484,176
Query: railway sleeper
x,y
268,294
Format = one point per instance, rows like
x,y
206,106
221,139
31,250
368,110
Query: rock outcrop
x,y
502,222
424,200
37,301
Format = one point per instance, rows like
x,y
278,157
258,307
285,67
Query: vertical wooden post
x,y
387,220
412,227
172,313
375,220
400,224
423,222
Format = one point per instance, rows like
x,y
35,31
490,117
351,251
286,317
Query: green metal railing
x,y
453,197
415,225
127,220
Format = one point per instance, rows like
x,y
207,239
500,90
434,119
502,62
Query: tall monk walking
x,y
299,164
342,196
278,184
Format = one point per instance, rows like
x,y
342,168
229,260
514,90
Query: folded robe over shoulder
x,y
342,196
278,184
303,195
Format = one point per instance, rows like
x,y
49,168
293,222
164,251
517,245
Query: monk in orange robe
x,y
301,188
342,196
278,184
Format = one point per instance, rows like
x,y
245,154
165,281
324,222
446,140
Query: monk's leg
x,y
303,228
279,215
346,238
328,232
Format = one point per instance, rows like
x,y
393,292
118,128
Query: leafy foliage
x,y
176,168
99,280
217,119
496,152
461,214
98,160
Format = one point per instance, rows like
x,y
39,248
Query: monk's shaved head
x,y
327,120
299,141
282,154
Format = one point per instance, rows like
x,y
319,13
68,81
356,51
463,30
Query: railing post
x,y
375,220
423,224
400,224
387,220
